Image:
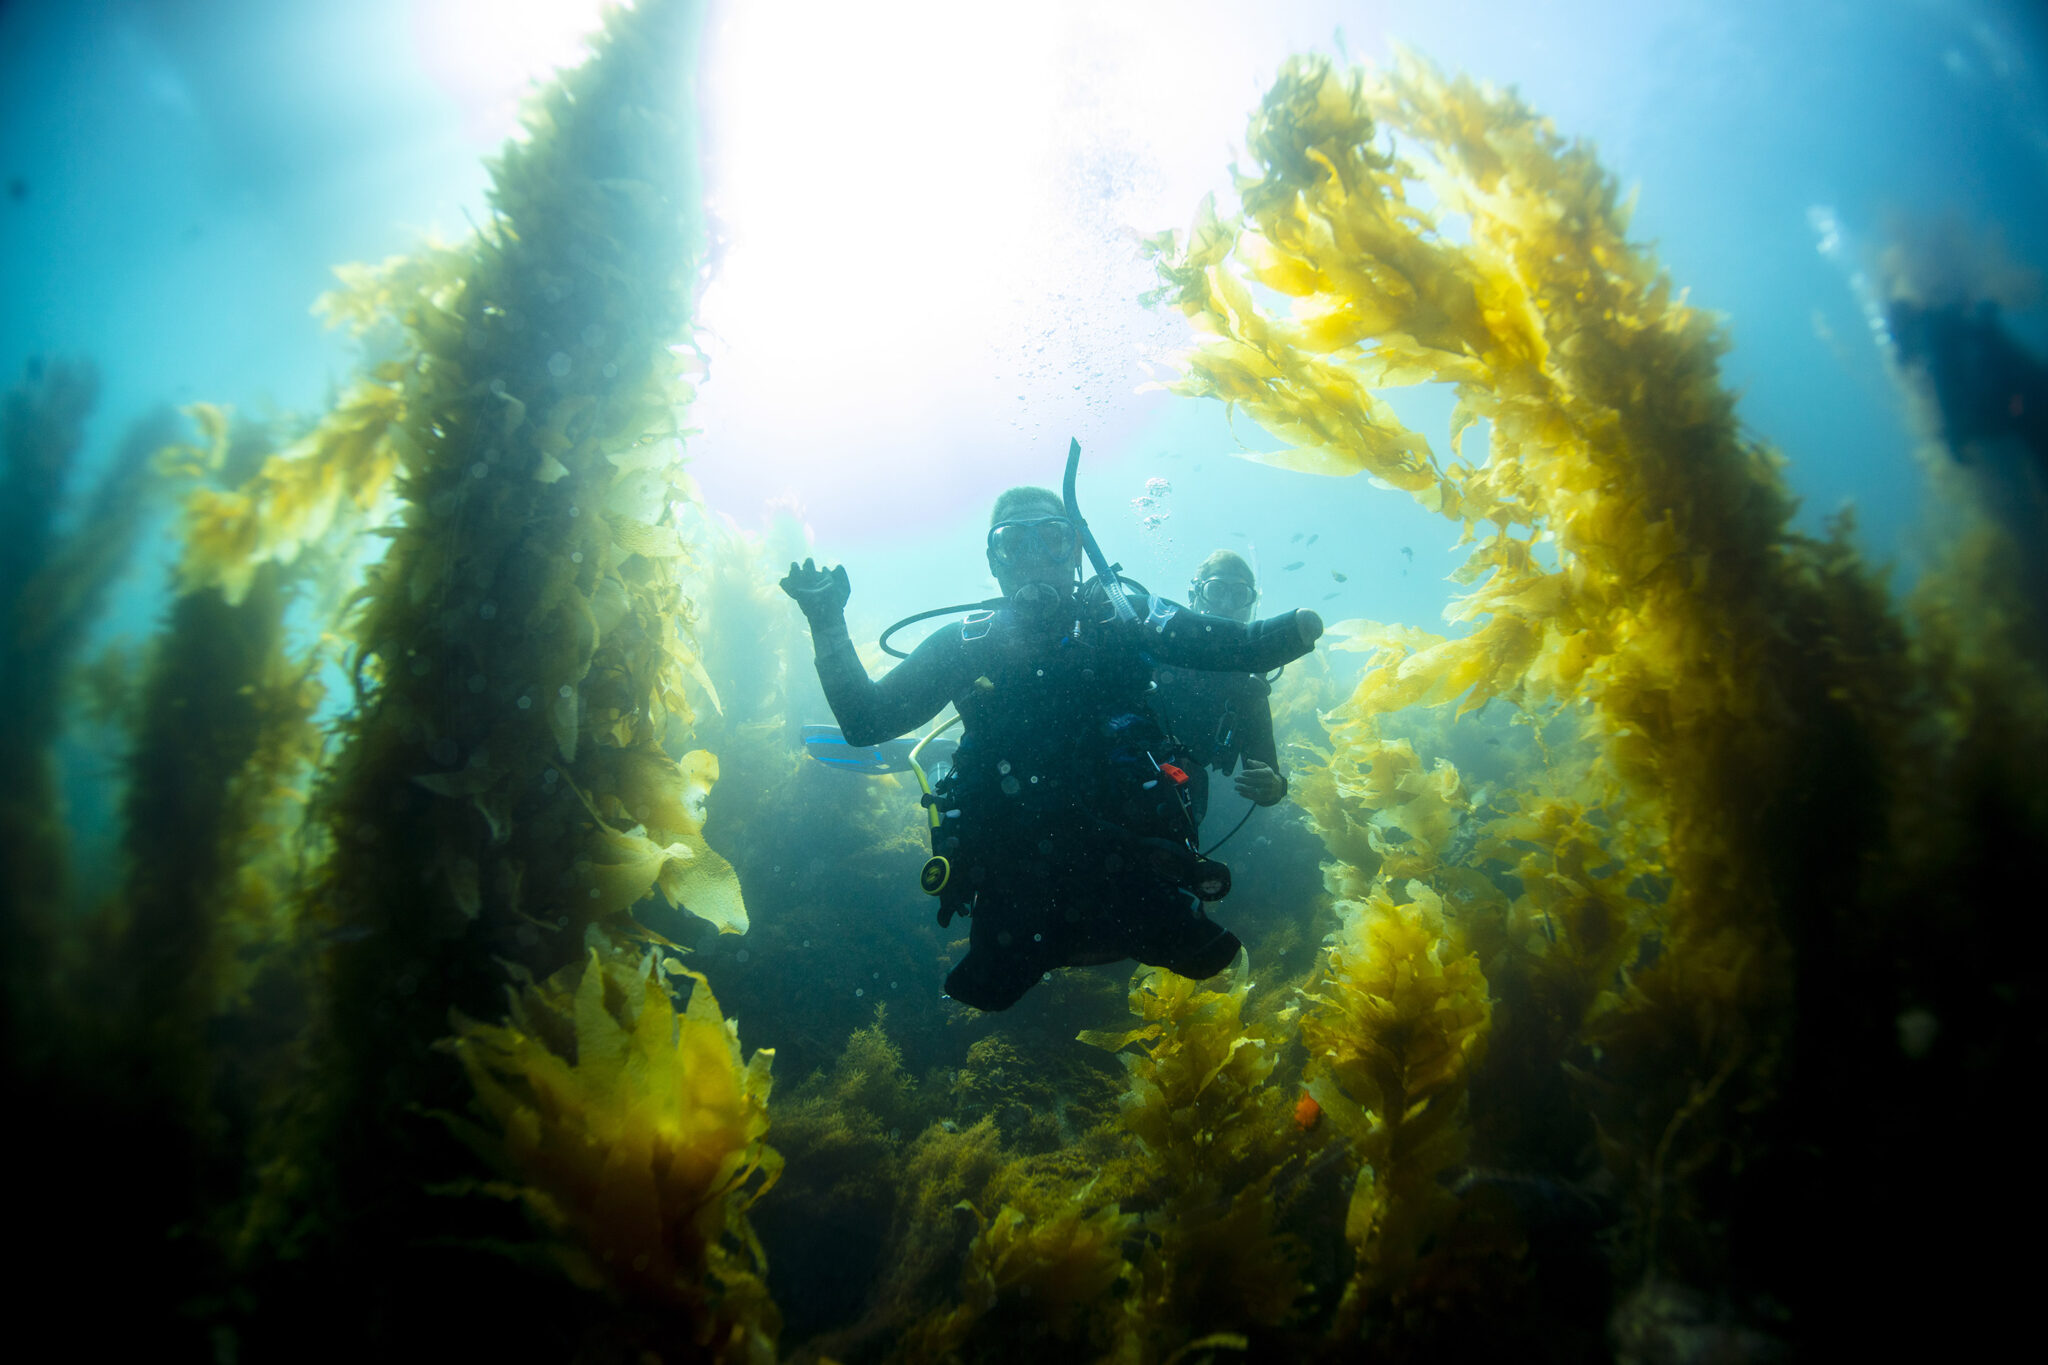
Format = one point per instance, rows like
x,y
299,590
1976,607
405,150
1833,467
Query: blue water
x,y
182,179
190,173
955,296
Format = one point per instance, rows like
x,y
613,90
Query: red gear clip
x,y
1178,777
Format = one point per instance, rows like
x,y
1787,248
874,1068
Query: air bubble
x,y
859,991
526,703
573,511
479,469
740,956
567,691
1004,766
576,557
489,611
559,364
1011,786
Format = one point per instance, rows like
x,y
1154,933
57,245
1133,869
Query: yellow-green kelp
x,y
1215,1136
503,781
1716,700
635,1136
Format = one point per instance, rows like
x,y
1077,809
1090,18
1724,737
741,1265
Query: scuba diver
x,y
1218,718
1060,829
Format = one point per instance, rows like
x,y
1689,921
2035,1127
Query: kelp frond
x,y
636,1135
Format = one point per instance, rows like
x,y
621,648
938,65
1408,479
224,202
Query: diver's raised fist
x,y
822,593
1306,623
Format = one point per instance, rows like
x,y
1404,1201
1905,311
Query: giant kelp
x,y
1216,1137
1666,887
503,780
1718,701
74,1054
53,579
635,1135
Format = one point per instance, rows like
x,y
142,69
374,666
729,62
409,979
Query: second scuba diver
x,y
1064,835
1218,718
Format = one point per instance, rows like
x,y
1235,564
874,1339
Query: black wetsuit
x,y
1216,718
1062,852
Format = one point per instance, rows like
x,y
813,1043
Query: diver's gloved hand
x,y
822,593
1306,622
1259,784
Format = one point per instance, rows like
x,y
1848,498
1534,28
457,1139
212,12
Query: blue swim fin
x,y
828,746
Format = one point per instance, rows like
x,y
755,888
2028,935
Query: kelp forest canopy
x,y
1651,921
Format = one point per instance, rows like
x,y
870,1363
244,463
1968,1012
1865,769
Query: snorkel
x,y
1038,600
1106,572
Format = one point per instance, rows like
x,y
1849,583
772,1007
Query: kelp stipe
x,y
44,426
504,780
1712,662
1395,1029
52,584
1216,1135
1057,1281
635,1135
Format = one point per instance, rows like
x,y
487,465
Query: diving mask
x,y
1214,595
1040,539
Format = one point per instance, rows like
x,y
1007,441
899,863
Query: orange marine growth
x,y
1307,1113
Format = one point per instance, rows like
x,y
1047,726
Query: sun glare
x,y
487,53
926,270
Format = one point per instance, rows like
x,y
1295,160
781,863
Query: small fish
x,y
1313,539
1240,535
1341,578
1408,552
1328,595
1307,1113
1294,539
1290,568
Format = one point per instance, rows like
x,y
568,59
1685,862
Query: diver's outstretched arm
x,y
1219,644
869,712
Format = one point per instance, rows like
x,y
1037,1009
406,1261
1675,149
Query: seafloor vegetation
x,y
1670,989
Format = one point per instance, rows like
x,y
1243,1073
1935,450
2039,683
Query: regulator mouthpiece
x,y
1036,600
